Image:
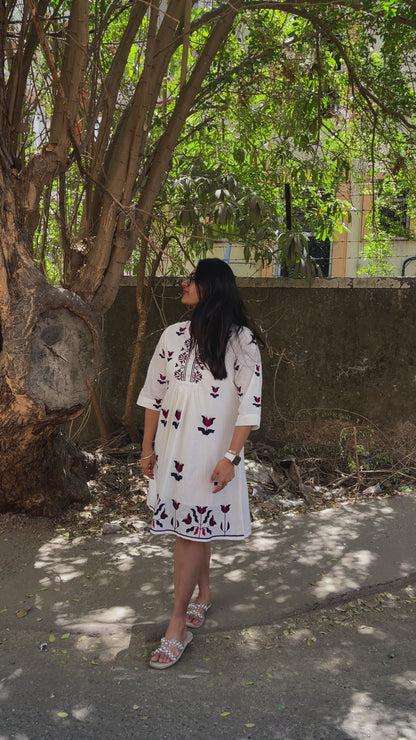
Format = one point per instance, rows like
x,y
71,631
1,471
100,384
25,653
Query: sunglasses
x,y
191,278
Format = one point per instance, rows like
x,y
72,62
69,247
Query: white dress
x,y
198,414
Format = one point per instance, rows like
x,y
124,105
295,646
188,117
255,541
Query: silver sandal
x,y
166,649
197,610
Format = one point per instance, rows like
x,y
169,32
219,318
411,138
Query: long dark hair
x,y
220,311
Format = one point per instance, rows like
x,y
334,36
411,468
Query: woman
x,y
202,398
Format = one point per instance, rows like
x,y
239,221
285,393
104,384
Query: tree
x,y
50,335
266,121
94,98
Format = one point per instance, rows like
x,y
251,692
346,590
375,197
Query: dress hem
x,y
239,537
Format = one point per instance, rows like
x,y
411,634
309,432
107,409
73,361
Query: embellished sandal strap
x,y
197,610
165,647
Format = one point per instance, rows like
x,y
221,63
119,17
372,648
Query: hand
x,y
148,465
223,473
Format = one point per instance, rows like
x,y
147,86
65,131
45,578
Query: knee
x,y
191,545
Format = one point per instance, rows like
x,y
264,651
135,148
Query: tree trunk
x,y
143,301
50,347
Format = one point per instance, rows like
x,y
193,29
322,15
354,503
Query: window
x,y
393,210
320,251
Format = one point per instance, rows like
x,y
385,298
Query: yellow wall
x,y
347,247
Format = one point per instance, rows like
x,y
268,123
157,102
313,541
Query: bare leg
x,y
190,561
204,591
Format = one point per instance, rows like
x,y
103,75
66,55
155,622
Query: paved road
x,y
285,652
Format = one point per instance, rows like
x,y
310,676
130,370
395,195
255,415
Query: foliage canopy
x,y
291,93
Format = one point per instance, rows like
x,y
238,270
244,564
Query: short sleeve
x,y
247,378
156,383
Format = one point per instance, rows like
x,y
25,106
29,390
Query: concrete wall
x,y
340,353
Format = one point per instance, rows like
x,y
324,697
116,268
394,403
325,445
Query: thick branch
x,y
106,102
164,150
132,129
72,75
120,168
168,141
22,60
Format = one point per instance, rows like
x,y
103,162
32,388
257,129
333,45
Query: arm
x,y
151,419
224,471
247,379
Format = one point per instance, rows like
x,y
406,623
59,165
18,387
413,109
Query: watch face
x,y
236,460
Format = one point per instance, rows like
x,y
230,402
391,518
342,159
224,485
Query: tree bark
x,y
50,350
143,302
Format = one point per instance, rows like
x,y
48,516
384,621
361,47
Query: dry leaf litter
x,y
277,488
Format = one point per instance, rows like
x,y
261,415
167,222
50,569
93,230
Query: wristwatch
x,y
232,457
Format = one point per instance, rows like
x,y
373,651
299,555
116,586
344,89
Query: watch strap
x,y
232,457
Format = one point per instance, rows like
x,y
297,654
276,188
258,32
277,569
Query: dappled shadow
x,y
295,563
98,605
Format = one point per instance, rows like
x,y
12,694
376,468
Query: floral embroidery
x,y
178,415
178,470
158,403
207,422
239,391
162,379
257,371
159,515
164,417
225,526
214,391
201,521
257,401
174,520
170,355
181,331
197,522
180,371
182,365
196,371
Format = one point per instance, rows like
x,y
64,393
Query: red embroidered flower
x,y
207,422
178,470
178,415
